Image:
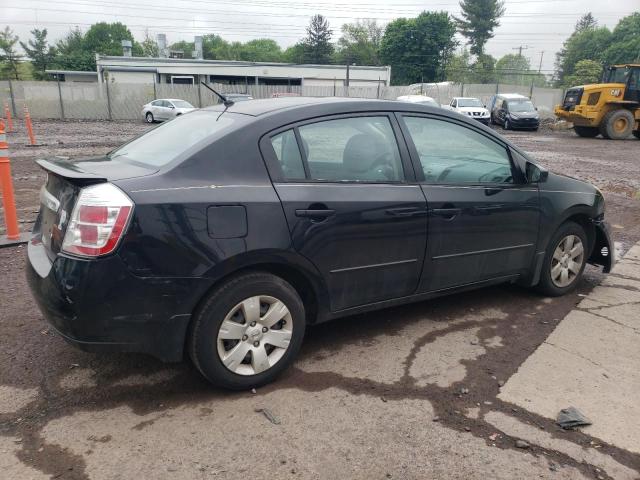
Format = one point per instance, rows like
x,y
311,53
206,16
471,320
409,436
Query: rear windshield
x,y
165,143
182,104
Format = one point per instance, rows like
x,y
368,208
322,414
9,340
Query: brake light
x,y
98,221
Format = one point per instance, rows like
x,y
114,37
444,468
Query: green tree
x,y
587,42
625,41
9,56
586,22
105,38
417,48
149,46
585,71
71,53
317,44
484,69
261,50
295,53
513,69
360,43
185,47
478,20
40,53
458,68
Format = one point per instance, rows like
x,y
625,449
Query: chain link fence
x,y
124,101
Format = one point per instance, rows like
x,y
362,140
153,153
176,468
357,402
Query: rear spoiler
x,y
65,169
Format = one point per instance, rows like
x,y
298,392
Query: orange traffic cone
x,y
27,121
10,216
7,114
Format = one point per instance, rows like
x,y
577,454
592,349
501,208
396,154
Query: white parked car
x,y
165,109
471,107
422,99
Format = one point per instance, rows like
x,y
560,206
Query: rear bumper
x,y
99,306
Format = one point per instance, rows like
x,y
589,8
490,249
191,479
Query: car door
x,y
353,208
483,217
155,109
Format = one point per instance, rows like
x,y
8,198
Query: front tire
x,y
617,124
149,117
248,331
564,261
586,132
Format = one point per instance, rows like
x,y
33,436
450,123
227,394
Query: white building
x,y
187,71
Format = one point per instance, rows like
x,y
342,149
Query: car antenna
x,y
225,101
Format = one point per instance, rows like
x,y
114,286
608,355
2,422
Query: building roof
x,y
101,60
71,72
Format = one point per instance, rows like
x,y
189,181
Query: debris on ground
x,y
435,419
464,391
571,417
494,436
269,415
522,444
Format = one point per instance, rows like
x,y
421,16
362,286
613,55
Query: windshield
x,y
521,106
181,104
165,143
617,75
469,102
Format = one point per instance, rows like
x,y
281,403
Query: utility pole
x,y
520,48
540,66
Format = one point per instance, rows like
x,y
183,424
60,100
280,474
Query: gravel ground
x,y
394,394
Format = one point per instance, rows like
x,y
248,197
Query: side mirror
x,y
536,173
172,107
536,108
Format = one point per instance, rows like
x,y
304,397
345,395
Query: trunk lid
x,y
59,193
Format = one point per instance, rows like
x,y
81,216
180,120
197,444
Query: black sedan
x,y
223,233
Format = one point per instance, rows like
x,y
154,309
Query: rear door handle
x,y
447,213
406,212
315,213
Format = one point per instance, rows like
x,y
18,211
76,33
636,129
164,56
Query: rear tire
x,y
586,132
617,124
247,331
564,262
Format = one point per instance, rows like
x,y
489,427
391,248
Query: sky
x,y
539,26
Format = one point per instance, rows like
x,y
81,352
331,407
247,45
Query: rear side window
x,y
165,143
288,154
361,149
452,154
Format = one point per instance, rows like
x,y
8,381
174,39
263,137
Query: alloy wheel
x,y
567,261
254,335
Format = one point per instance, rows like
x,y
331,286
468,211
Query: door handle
x,y
406,212
315,213
447,213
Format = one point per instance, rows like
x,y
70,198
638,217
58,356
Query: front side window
x,y
361,149
182,104
452,154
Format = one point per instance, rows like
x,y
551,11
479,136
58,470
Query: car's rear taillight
x,y
98,220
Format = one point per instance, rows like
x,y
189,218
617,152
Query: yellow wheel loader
x,y
610,108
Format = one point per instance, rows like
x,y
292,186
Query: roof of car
x,y
465,98
512,95
269,105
